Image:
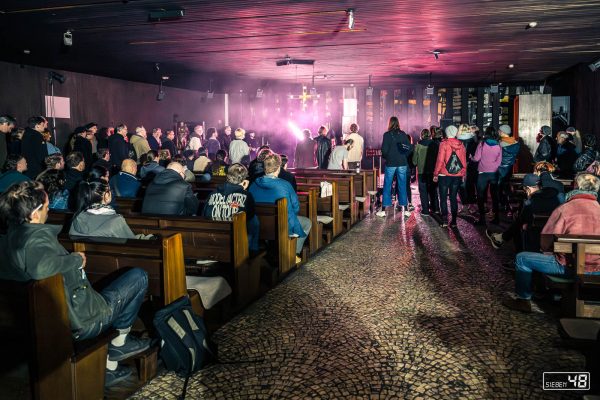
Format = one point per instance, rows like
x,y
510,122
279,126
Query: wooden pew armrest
x,y
83,348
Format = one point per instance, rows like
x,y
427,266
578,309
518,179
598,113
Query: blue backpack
x,y
185,346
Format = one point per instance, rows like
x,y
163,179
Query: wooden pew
x,y
308,209
582,294
327,206
223,241
161,258
274,227
345,192
35,327
128,205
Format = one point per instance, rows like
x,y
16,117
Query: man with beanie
x,y
510,150
450,169
546,150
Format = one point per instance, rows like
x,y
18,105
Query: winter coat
x,y
100,222
84,146
489,156
565,159
548,181
396,148
124,185
212,146
225,141
510,150
586,158
152,168
228,199
153,143
195,143
546,150
237,150
304,156
323,151
140,146
34,149
32,251
446,148
169,194
169,145
288,176
119,149
10,178
269,189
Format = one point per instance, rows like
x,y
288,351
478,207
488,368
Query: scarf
x,y
575,192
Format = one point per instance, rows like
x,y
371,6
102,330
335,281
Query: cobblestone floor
x,y
394,309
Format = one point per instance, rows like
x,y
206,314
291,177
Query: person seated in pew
x,y
566,155
257,166
30,250
74,171
231,198
150,166
219,167
579,215
184,159
285,174
95,217
54,184
98,174
202,166
104,159
544,170
125,183
14,167
539,201
170,194
339,156
270,188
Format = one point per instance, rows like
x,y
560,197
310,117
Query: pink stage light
x,y
295,130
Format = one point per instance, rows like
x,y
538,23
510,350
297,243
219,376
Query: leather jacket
x,y
323,151
546,150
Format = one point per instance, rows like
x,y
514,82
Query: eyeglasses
x,y
37,208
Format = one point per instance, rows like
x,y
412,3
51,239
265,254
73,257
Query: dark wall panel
x,y
105,101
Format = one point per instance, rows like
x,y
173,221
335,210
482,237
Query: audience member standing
x,y
270,188
450,170
566,155
168,144
323,149
238,148
84,146
102,138
425,157
489,156
154,139
304,156
104,159
7,124
140,144
16,138
576,139
212,145
91,130
356,153
546,150
253,144
589,155
468,191
14,169
170,194
395,150
510,149
196,138
118,146
33,146
225,138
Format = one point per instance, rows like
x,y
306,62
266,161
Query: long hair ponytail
x,y
90,194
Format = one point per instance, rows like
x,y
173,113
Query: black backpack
x,y
453,165
185,346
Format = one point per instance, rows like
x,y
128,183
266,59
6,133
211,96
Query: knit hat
x,y
451,131
505,129
531,180
546,130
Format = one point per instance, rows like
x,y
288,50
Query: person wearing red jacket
x,y
450,170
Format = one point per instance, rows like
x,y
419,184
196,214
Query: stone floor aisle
x,y
394,309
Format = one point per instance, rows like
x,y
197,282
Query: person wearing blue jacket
x,y
270,188
510,150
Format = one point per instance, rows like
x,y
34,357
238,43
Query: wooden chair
x,y
35,327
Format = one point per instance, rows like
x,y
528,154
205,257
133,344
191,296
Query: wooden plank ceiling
x,y
392,40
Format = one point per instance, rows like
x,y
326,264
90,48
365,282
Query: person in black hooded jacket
x,y
546,150
323,148
170,194
33,146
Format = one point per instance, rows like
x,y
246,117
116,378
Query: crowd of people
x,y
99,165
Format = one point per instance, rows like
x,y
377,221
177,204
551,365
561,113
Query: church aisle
x,y
394,309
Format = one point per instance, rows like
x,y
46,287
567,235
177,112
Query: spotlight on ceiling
x,y
350,13
68,38
259,93
594,66
436,53
511,66
55,76
532,24
165,77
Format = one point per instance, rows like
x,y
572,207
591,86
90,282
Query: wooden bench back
x,y
308,209
361,187
161,258
328,205
128,205
274,227
34,326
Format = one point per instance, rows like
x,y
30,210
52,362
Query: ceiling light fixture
x,y
511,66
532,24
594,66
68,38
429,88
350,13
165,77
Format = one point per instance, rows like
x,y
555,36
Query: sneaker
x,y
120,374
298,260
407,213
444,224
495,239
517,304
410,207
380,213
132,346
425,214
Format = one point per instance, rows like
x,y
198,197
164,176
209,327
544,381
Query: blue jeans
x,y
401,175
253,228
124,297
452,184
527,262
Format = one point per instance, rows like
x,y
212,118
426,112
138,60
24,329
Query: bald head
x,y
129,166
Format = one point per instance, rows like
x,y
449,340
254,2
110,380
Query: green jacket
x,y
32,251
